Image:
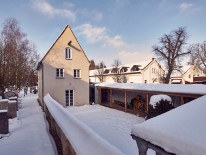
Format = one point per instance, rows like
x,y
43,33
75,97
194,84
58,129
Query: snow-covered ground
x,y
112,125
28,132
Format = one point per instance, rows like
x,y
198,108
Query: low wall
x,y
74,137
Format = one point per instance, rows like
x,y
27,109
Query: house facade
x,y
140,72
64,71
186,74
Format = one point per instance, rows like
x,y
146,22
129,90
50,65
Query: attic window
x,y
123,70
106,71
135,68
68,53
114,70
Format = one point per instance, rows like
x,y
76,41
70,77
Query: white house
x,y
186,74
139,72
64,71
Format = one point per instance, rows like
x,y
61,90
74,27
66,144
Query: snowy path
x,y
28,134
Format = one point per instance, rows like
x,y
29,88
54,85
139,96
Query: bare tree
x,y
171,51
198,55
100,71
17,56
117,76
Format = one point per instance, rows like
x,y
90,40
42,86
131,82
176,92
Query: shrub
x,y
159,108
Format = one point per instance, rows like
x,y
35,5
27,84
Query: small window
x,y
69,94
59,73
68,53
189,76
77,73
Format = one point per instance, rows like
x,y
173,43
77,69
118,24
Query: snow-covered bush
x,y
159,104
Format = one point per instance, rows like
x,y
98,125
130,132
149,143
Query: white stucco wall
x,y
56,59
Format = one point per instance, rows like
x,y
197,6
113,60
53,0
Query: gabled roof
x,y
141,65
67,27
182,71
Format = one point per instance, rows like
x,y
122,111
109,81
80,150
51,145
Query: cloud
x,y
92,15
185,6
134,56
99,34
127,54
44,7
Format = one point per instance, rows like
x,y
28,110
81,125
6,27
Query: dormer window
x,y
123,70
114,70
135,68
106,71
68,53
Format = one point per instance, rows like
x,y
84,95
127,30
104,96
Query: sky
x,y
108,29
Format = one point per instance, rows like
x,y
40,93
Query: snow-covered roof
x,y
180,131
141,65
198,89
92,72
182,71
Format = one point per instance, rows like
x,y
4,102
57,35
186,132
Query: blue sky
x,y
108,29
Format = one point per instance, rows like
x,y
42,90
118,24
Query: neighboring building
x,y
200,80
64,71
140,72
186,74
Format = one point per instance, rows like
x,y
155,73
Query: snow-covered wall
x,y
83,139
181,131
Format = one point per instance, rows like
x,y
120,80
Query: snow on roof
x,y
180,131
82,138
4,100
199,89
93,72
182,71
141,64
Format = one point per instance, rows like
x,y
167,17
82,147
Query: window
x,y
123,70
135,68
68,53
77,73
189,76
69,94
153,70
59,73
